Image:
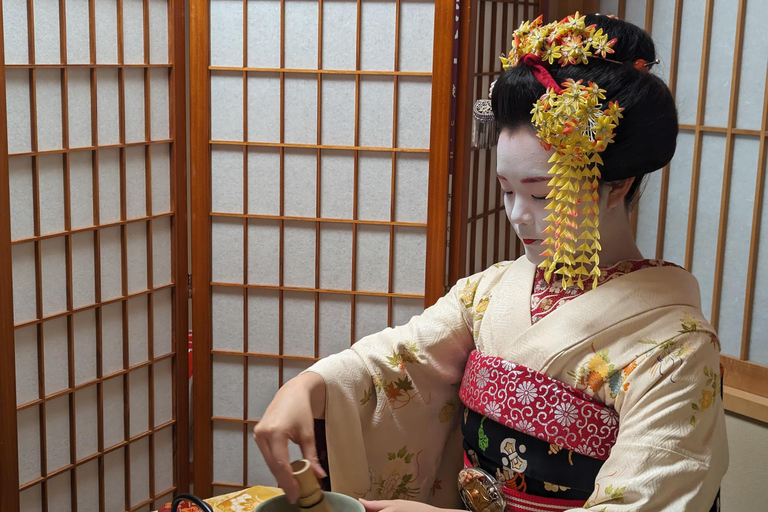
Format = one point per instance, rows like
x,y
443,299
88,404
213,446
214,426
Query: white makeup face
x,y
521,167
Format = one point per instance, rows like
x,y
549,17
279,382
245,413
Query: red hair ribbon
x,y
540,72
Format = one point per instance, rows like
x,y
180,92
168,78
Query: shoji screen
x,y
707,210
483,235
95,167
311,136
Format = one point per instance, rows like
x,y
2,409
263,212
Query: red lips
x,y
529,241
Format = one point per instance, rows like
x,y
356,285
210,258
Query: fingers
x,y
306,441
274,448
376,506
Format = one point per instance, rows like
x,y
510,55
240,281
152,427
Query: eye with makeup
x,y
537,198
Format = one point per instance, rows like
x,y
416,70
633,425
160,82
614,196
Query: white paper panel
x,y
226,33
335,329
84,327
375,116
161,251
707,216
750,105
227,179
163,322
160,159
112,338
86,421
663,25
227,250
484,21
300,182
160,117
19,112
299,254
339,34
648,216
28,424
227,106
158,31
134,102
59,492
31,499
758,352
78,37
264,252
111,272
739,229
264,33
136,236
51,175
414,103
227,452
133,33
79,106
370,315
228,386
338,110
335,256
164,462
478,194
263,382
372,265
54,276
81,189
138,389
337,177
57,433
106,30
301,34
721,64
109,186
114,473
412,187
264,107
56,361
608,7
263,321
409,260
138,330
49,109
405,309
21,194
163,392
635,12
108,105
227,313
88,486
374,183
27,388
417,20
264,181
377,35
135,183
113,411
688,72
292,369
676,230
478,245
47,49
298,324
490,257
15,32
300,107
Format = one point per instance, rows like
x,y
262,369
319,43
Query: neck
x,y
618,243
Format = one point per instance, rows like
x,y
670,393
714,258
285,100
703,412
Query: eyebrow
x,y
536,179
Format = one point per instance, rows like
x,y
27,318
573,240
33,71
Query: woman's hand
x,y
291,416
400,506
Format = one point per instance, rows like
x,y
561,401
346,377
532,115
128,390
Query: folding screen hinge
x,y
189,286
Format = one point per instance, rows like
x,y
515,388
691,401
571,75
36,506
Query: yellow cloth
x,y
245,500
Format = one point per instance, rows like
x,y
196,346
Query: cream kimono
x,y
638,343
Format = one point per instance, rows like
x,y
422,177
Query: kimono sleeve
x,y
671,451
392,404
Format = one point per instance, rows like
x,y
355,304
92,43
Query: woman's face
x,y
521,167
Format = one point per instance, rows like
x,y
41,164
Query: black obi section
x,y
526,463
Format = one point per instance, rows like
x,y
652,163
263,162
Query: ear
x,y
618,191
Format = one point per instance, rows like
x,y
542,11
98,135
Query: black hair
x,y
646,136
